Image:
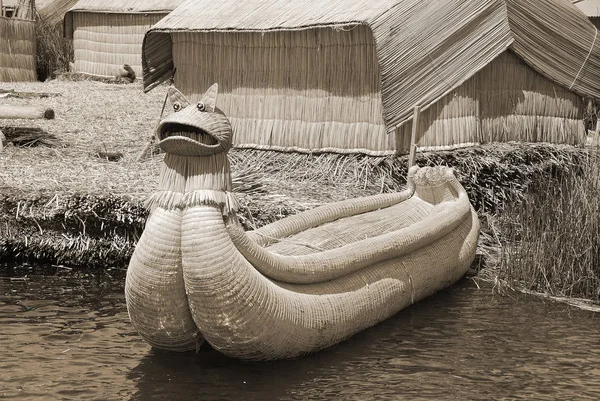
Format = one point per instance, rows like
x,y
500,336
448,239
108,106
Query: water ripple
x,y
71,339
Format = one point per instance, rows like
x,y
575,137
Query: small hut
x,y
17,41
347,75
108,33
591,8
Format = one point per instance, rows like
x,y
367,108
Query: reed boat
x,y
295,286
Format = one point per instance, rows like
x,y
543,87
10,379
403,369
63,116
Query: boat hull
x,y
234,291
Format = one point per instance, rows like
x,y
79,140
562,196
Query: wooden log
x,y
15,112
26,95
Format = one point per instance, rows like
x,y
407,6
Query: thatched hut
x,y
108,33
17,41
346,75
591,8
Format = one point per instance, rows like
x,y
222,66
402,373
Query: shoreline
x,y
64,205
99,230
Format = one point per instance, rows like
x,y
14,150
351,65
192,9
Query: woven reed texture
x,y
428,242
103,42
17,50
154,288
330,250
377,62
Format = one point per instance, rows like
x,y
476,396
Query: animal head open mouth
x,y
186,131
187,140
194,129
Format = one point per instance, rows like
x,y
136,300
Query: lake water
x,y
66,336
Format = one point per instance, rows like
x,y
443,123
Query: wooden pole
x,y
15,112
597,134
413,136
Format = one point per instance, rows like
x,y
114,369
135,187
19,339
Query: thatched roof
x,y
53,12
119,6
425,48
591,8
116,7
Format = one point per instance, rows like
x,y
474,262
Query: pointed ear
x,y
178,101
210,98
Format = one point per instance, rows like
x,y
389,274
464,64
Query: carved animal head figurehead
x,y
198,129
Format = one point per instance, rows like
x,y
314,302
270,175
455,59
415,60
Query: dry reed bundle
x,y
27,137
53,51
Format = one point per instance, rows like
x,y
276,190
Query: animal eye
x,y
176,106
201,106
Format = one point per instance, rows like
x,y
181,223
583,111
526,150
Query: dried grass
x,y
53,51
551,238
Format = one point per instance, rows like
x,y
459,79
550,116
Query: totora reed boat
x,y
294,286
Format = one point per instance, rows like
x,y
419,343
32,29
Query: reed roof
x,y
119,6
116,7
53,12
425,48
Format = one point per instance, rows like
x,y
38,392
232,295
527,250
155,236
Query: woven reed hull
x,y
245,315
242,310
161,317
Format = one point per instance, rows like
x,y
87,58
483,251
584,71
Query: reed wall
x,y
290,90
505,101
17,50
103,42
